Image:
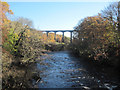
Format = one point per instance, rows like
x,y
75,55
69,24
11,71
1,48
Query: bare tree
x,y
25,21
112,13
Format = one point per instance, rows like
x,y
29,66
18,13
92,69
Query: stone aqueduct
x,y
63,31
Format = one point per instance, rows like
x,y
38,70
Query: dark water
x,y
62,70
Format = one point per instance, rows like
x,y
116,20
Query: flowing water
x,y
62,70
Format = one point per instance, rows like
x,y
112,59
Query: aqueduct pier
x,y
63,31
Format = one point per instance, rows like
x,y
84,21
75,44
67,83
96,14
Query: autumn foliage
x,y
98,37
21,45
4,22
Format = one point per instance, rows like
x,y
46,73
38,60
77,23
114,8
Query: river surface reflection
x,y
62,70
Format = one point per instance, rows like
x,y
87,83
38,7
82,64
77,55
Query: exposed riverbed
x,y
62,70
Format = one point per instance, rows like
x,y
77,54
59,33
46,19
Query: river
x,y
63,70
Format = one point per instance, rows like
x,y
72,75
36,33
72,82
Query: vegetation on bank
x,y
98,37
22,45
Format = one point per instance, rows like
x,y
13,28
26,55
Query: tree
x,y
92,28
25,21
112,13
4,21
5,10
91,35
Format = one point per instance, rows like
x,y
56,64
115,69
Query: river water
x,y
62,70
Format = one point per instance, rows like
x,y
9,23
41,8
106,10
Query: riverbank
x,y
92,65
60,65
19,75
56,46
21,72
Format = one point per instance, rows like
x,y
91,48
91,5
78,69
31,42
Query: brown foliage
x,y
4,22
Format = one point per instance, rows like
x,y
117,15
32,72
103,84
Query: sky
x,y
56,15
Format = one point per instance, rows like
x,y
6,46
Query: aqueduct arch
x,y
63,31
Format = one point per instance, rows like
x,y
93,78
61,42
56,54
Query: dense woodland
x,y
95,38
